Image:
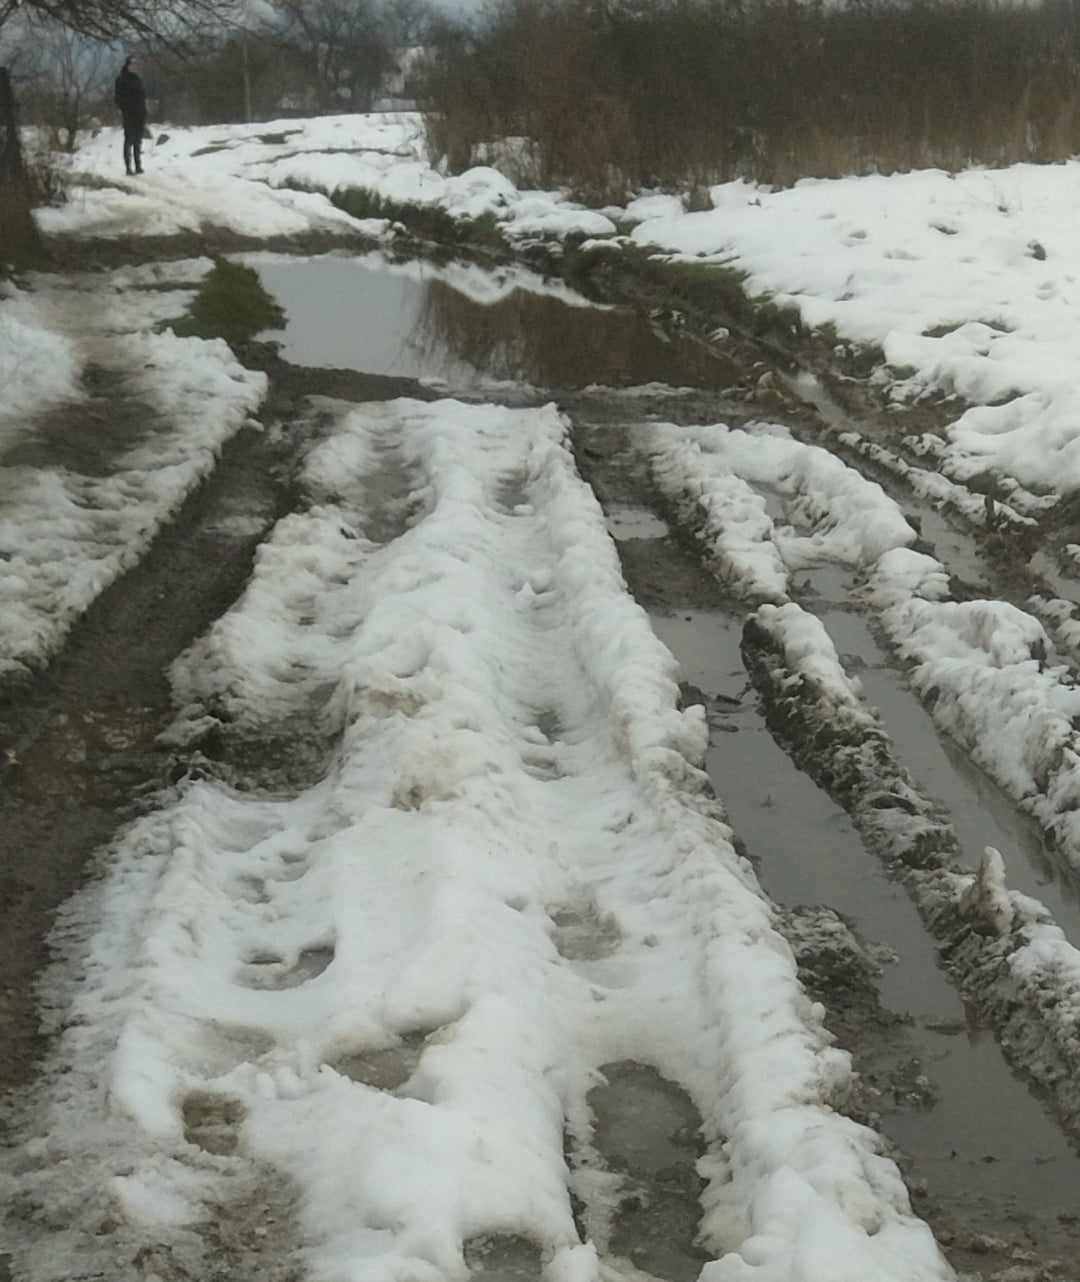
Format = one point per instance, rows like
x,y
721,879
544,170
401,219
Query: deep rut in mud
x,y
82,738
988,1166
79,741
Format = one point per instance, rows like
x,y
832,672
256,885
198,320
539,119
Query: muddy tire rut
x,y
81,752
889,987
86,754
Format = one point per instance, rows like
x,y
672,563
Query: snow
x,y
428,860
65,535
963,281
275,179
985,256
808,648
987,898
994,692
833,513
167,204
38,367
426,863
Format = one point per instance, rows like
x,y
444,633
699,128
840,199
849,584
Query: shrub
x,y
669,92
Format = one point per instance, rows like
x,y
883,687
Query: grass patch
x,y
715,289
278,140
428,222
711,294
710,288
231,304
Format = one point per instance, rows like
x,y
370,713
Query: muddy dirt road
x,y
360,634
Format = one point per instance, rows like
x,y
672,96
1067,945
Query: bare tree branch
x,y
131,19
343,44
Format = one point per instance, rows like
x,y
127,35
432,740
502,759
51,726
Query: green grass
x,y
231,304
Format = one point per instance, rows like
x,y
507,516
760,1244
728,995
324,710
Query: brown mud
x,y
85,756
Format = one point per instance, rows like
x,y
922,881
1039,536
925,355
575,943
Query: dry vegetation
x,y
684,92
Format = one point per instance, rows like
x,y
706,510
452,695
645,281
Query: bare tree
x,y
109,19
343,45
150,20
73,76
409,22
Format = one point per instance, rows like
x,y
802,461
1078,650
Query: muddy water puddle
x,y
648,1130
975,1137
465,327
804,847
979,1150
635,523
980,812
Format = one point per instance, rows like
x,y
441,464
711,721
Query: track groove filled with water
x,y
992,1169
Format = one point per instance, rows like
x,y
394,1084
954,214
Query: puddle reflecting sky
x,y
464,326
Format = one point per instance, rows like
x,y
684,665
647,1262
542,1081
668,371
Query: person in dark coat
x,y
131,99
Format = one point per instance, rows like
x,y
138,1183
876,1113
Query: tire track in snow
x,y
87,484
512,768
1020,972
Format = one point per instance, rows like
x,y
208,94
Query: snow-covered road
x,y
110,426
432,943
512,866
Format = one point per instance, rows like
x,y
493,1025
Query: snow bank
x,y
962,280
65,536
276,179
942,492
37,366
171,203
982,666
835,514
366,978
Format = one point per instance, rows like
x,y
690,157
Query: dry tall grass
x,y
658,92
